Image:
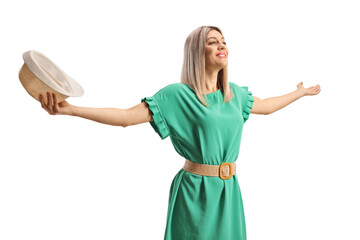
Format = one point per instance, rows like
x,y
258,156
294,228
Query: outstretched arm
x,y
273,104
140,113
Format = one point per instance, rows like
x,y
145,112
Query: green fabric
x,y
201,207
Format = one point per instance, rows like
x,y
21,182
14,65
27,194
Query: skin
x,y
215,44
140,113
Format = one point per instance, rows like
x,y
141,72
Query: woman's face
x,y
216,52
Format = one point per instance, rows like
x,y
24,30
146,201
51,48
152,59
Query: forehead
x,y
214,34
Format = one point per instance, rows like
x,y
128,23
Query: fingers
x,y
55,106
50,104
318,89
314,90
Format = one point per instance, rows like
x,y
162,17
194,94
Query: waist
x,y
225,171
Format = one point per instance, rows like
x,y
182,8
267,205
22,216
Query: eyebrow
x,y
213,37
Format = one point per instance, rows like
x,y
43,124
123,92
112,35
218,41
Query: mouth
x,y
221,55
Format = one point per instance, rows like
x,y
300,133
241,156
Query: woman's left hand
x,y
314,90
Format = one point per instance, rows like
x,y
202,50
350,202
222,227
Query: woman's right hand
x,y
53,107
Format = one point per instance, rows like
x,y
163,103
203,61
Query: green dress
x,y
202,207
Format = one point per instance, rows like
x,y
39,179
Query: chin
x,y
223,65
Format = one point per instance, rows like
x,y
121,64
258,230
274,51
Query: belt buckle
x,y
221,172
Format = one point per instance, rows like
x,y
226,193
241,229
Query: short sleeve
x,y
247,102
162,106
159,124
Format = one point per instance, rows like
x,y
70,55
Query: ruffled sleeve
x,y
247,102
159,123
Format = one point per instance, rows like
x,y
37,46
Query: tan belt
x,y
225,171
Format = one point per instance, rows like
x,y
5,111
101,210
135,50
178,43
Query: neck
x,y
211,80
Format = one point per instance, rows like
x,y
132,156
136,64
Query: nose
x,y
221,46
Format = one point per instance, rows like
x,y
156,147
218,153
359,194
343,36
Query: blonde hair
x,y
193,69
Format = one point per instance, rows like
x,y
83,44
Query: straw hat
x,y
39,75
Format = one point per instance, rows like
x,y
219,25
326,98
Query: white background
x,y
65,177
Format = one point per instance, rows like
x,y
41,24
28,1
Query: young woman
x,y
204,116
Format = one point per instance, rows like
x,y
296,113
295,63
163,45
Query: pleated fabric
x,y
201,207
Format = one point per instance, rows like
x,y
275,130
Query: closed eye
x,y
215,42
